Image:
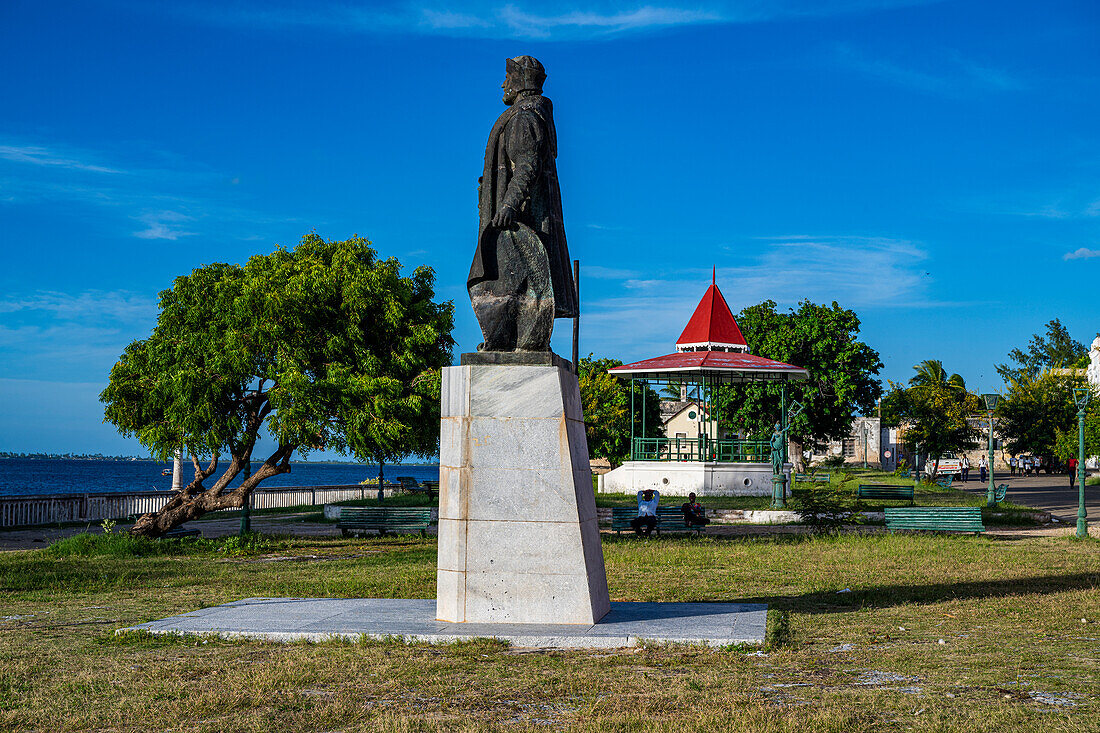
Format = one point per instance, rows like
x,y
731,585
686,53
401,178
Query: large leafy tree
x,y
1035,410
824,340
606,403
934,415
1056,349
325,346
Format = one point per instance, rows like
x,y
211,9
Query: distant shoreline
x,y
134,459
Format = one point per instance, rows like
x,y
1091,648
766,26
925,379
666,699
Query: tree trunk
x,y
195,499
794,450
381,491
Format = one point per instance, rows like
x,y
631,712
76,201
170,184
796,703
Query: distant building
x,y
865,440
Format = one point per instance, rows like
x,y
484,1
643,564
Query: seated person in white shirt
x,y
646,520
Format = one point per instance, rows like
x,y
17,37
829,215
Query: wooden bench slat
x,y
398,520
950,519
885,491
669,519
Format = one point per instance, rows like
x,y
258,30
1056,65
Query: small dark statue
x,y
521,280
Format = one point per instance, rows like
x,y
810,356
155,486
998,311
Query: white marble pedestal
x,y
518,538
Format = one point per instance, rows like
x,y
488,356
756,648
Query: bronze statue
x,y
521,279
779,437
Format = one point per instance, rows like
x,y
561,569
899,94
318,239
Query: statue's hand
x,y
505,217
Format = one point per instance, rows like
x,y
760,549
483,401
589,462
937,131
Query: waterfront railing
x,y
38,509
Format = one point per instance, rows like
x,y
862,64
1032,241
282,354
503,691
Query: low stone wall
x,y
679,478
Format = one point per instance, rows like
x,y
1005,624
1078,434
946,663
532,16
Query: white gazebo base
x,y
679,478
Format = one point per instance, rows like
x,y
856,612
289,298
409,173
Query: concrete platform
x,y
321,619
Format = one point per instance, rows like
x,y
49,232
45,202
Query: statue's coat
x,y
521,172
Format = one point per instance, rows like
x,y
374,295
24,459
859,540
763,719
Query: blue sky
x,y
933,165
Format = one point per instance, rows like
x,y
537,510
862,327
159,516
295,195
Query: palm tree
x,y
931,372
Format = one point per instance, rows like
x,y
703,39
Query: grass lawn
x,y
1014,654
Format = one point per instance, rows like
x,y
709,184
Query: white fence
x,y
35,509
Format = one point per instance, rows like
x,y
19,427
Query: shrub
x,y
117,544
825,507
126,545
833,462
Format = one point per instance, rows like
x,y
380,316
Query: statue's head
x,y
522,74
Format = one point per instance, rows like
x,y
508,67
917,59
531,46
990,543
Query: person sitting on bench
x,y
694,513
647,512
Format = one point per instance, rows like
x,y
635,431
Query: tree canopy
x,y
1065,441
823,340
1033,412
931,372
1056,349
606,403
934,413
325,346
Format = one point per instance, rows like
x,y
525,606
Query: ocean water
x,y
23,476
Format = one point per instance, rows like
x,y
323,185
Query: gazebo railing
x,y
701,449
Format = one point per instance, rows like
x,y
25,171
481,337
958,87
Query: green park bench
x,y
1000,492
409,484
885,491
395,520
944,481
935,518
819,478
669,519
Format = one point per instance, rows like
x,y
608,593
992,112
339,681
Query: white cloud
x,y
40,156
89,305
607,273
1081,253
156,197
69,335
160,225
519,18
946,72
643,317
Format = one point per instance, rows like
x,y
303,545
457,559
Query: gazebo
x,y
710,352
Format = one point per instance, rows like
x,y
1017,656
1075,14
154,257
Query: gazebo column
x,y
632,413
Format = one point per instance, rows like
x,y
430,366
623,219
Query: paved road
x,y
1052,493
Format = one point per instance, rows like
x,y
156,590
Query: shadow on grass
x,y
885,596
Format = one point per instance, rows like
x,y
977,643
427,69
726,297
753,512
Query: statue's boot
x,y
496,314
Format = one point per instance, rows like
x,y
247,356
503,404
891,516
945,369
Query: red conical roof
x,y
712,324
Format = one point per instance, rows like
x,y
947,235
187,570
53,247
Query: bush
x,y
833,462
114,544
127,545
825,507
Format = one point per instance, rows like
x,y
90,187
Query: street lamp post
x,y
991,401
1081,398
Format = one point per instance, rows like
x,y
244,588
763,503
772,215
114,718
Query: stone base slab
x,y
322,619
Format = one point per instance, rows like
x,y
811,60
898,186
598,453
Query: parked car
x,y
949,465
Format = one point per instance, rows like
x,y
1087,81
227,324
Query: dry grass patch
x,y
1014,653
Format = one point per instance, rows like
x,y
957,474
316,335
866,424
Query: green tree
x,y
935,416
1056,349
823,340
931,371
325,346
1065,441
1033,412
606,403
